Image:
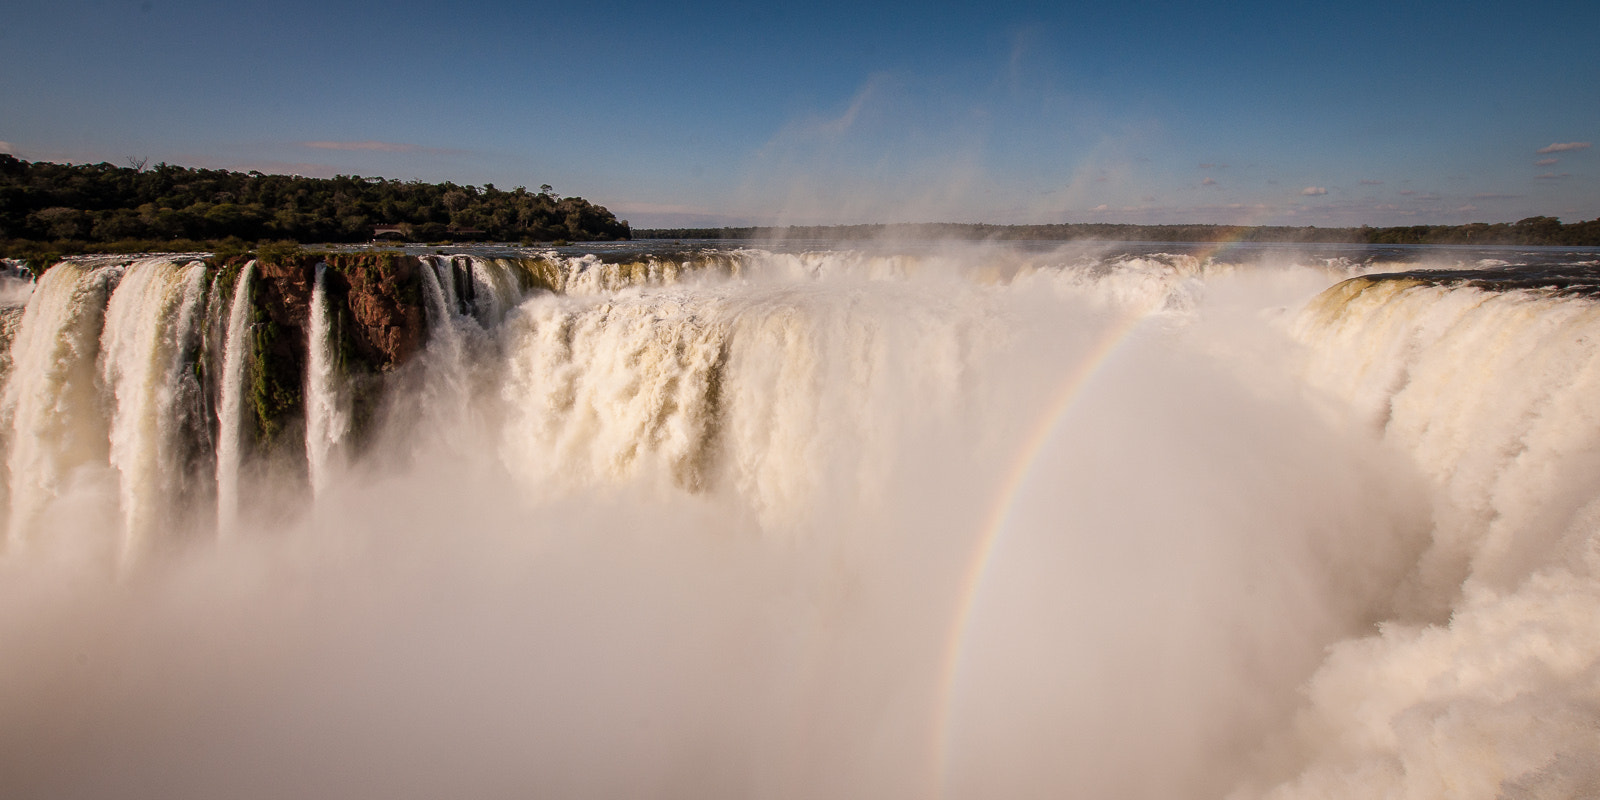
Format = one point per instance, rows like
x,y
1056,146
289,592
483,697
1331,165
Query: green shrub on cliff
x,y
275,392
279,251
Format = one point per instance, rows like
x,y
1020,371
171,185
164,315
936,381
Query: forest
x,y
48,208
1530,231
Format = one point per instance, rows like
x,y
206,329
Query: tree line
x,y
81,207
1530,231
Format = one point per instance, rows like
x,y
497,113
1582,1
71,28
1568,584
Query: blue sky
x,y
734,113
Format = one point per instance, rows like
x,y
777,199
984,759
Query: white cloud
x,y
1209,182
1370,182
1552,176
1562,147
1312,191
5,147
1101,207
1546,162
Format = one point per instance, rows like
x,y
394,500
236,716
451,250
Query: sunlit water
x,y
879,521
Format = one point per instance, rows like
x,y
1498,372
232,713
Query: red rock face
x,y
376,303
377,294
383,298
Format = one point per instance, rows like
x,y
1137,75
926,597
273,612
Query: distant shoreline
x,y
1530,231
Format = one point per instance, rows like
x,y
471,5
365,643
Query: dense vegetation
x,y
48,210
1530,231
66,208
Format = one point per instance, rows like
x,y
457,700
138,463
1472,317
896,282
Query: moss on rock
x,y
376,302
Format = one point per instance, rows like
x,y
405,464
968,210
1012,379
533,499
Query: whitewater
x,y
881,520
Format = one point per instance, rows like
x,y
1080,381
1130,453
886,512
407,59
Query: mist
x,y
961,522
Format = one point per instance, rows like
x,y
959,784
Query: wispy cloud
x,y
1553,176
5,147
1370,182
374,146
1562,147
382,147
1408,192
1547,162
1494,196
1313,191
1022,66
800,136
837,126
1209,182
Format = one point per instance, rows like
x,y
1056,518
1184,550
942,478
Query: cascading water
x,y
327,400
230,406
495,289
148,349
1492,393
939,522
447,391
52,396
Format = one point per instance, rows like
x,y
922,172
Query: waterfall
x,y
53,397
1492,393
327,400
446,406
438,296
444,284
10,324
479,288
495,289
230,407
148,351
600,391
1492,396
949,522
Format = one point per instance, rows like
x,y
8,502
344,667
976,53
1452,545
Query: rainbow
x,y
971,583
970,586
1208,250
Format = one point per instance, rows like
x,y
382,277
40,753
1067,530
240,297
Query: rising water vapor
x,y
1492,394
937,522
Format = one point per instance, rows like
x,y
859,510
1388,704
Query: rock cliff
x,y
375,300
